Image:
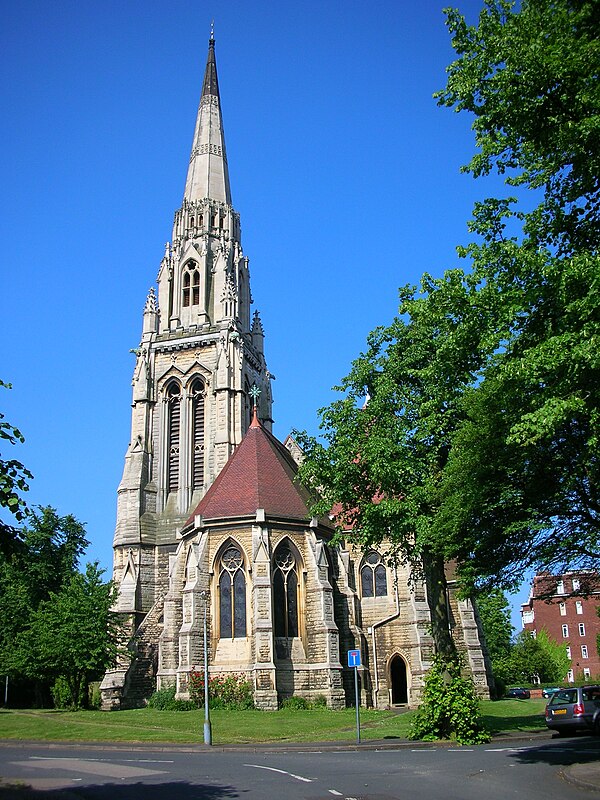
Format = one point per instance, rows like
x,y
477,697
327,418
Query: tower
x,y
212,522
198,358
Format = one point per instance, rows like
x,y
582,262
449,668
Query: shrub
x,y
450,707
295,703
61,694
164,700
230,691
94,696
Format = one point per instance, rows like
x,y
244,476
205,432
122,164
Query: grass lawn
x,y
243,727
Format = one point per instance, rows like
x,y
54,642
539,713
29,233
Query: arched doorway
x,y
398,681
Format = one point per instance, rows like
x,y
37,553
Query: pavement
x,y
585,776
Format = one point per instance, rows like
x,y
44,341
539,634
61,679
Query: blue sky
x,y
343,168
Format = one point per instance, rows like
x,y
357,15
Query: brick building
x,y
567,607
210,517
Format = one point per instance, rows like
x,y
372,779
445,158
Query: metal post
x,y
207,727
357,705
6,692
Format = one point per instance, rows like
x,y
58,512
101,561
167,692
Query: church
x,y
210,517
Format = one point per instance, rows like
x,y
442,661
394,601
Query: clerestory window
x,y
373,576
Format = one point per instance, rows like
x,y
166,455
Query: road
x,y
524,769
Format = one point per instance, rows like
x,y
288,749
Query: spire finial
x,y
212,30
254,394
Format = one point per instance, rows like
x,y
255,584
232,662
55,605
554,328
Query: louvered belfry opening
x,y
197,435
174,411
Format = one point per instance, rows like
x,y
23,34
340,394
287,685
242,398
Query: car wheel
x,y
562,732
596,728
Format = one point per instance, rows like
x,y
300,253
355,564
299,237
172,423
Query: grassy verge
x,y
186,727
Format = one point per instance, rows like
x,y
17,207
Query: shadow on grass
x,y
523,723
135,791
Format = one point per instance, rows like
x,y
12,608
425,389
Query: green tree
x,y
494,613
383,459
529,75
14,478
537,659
73,634
521,485
46,559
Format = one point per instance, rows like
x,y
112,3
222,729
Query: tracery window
x,y
285,592
373,576
197,449
173,434
191,285
232,594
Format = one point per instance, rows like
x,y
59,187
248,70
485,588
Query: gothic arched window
x,y
197,449
285,592
373,576
232,594
173,435
191,285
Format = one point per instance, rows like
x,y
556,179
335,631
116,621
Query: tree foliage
x,y
14,481
521,485
537,659
387,441
56,621
529,75
469,427
73,634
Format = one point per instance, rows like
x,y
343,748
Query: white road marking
x,y
333,791
125,760
281,771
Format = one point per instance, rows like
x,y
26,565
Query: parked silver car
x,y
574,709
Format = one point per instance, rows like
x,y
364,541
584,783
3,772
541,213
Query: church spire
x,y
208,175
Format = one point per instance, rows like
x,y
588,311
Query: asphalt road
x,y
426,772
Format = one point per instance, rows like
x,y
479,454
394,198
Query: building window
x,y
232,594
173,428
563,609
565,631
191,285
576,584
197,435
560,587
569,653
570,676
584,651
285,592
586,672
579,606
373,576
581,629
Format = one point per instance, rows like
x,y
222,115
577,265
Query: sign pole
x,y
354,662
357,705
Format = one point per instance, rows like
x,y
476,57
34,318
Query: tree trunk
x,y
437,598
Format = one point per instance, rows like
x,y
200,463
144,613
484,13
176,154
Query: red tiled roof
x,y
260,474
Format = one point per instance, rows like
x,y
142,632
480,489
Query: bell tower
x,y
199,356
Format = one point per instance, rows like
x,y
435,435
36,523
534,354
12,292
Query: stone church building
x,y
210,518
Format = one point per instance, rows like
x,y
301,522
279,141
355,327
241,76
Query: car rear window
x,y
564,696
591,693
